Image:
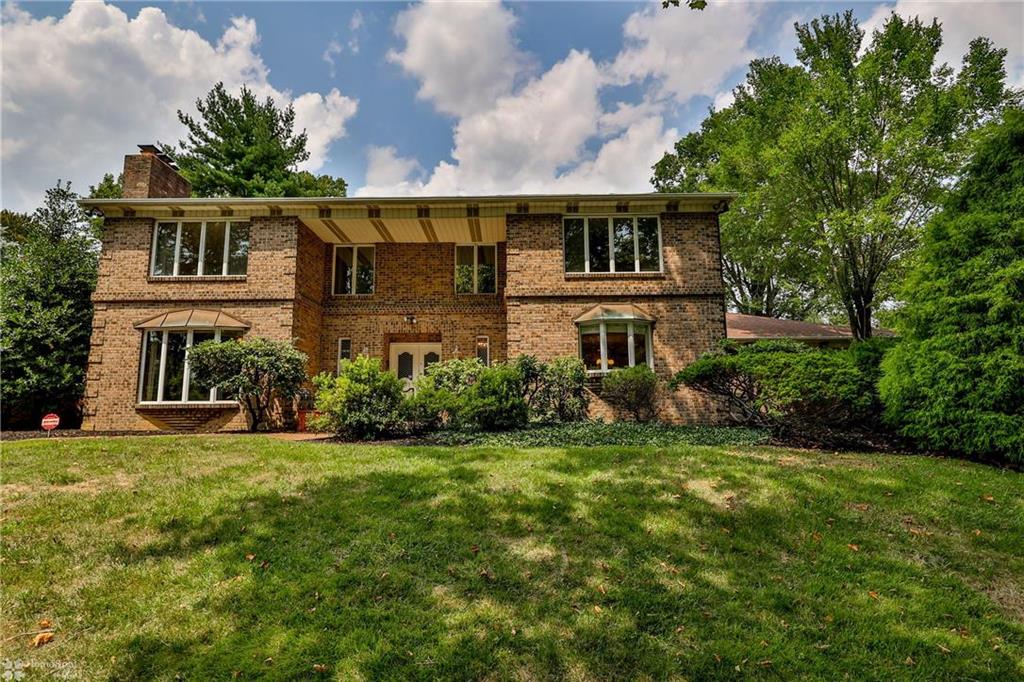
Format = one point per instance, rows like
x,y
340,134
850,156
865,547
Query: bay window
x,y
476,268
612,244
607,346
165,375
199,248
353,269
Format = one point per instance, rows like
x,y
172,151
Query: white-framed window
x,y
164,375
483,350
353,269
607,346
612,244
199,248
476,268
344,351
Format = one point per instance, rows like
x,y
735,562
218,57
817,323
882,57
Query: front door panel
x,y
410,360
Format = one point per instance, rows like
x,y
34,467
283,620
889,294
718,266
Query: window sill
x,y
370,295
478,294
190,405
614,275
156,279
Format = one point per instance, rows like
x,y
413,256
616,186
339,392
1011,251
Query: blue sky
x,y
400,98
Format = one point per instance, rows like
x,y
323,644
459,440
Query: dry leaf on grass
x,y
853,547
319,668
41,639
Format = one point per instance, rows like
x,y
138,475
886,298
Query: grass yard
x,y
213,557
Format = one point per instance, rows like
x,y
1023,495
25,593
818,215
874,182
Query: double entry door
x,y
409,360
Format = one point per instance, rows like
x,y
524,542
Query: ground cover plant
x,y
214,557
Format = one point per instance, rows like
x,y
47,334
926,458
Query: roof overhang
x,y
615,312
192,318
410,219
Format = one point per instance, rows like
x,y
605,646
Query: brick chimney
x,y
153,174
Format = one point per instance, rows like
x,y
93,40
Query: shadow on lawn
x,y
453,572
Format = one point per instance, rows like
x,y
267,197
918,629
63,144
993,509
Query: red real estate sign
x,y
50,421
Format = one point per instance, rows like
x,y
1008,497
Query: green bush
x,y
955,383
633,390
563,394
363,401
255,371
441,395
799,392
496,403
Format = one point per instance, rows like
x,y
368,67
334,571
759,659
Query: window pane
x,y
590,347
345,349
364,270
483,350
188,256
405,365
228,335
343,270
598,235
238,249
174,366
151,364
618,346
430,359
639,344
487,268
623,233
647,238
574,256
463,269
196,391
166,234
213,249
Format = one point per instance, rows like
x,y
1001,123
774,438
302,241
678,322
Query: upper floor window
x,y
200,248
612,244
165,374
476,268
353,269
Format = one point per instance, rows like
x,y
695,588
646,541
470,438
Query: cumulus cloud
x,y
962,22
388,173
517,131
463,54
82,89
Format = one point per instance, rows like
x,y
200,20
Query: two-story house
x,y
616,280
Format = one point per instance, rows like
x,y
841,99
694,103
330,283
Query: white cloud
x,y
463,54
723,100
332,50
962,22
356,22
389,173
550,133
685,53
82,89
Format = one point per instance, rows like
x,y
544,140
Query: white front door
x,y
409,360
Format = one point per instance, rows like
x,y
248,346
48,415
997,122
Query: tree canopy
x,y
840,160
241,146
48,273
956,380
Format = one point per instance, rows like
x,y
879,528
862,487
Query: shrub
x,y
256,371
797,391
363,401
441,394
634,390
956,380
563,394
496,401
595,433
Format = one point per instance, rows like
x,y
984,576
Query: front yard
x,y
221,556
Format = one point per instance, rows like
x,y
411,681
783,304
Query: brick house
x,y
614,279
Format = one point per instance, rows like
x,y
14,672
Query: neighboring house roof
x,y
756,328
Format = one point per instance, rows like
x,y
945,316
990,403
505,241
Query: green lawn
x,y
211,557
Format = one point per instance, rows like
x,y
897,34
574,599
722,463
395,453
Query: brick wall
x,y
419,280
687,300
146,176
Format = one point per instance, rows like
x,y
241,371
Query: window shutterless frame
x,y
344,350
631,328
476,268
355,268
612,217
186,375
201,268
483,348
